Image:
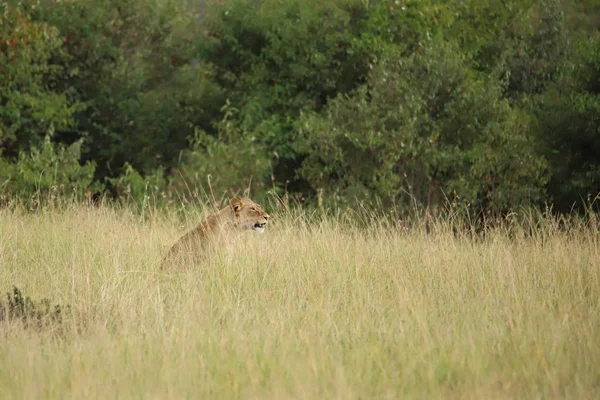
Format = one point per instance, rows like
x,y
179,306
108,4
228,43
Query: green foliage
x,y
540,49
569,118
135,66
425,128
29,107
490,103
140,190
52,169
223,166
276,61
230,164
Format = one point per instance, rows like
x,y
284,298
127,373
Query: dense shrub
x,y
276,61
136,67
494,104
232,163
51,169
569,117
424,129
30,107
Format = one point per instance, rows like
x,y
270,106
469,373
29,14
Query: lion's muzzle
x,y
260,227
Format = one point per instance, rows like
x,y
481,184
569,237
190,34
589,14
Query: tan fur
x,y
239,215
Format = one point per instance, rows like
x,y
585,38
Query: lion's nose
x,y
266,216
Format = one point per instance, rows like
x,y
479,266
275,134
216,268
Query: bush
x,y
231,164
569,119
481,102
136,67
140,190
32,314
424,128
29,106
52,169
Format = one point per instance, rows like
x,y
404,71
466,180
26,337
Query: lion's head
x,y
249,215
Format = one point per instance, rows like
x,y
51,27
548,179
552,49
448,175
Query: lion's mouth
x,y
260,227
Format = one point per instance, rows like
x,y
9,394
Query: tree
x,y
30,106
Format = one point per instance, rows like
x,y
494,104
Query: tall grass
x,y
315,308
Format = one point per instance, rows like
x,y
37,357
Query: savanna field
x,y
380,136
314,308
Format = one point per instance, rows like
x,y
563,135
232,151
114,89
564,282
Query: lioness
x,y
239,215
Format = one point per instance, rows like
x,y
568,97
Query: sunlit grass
x,y
312,309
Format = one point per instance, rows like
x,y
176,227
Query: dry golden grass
x,y
308,310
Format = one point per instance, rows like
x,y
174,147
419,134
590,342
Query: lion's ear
x,y
236,204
